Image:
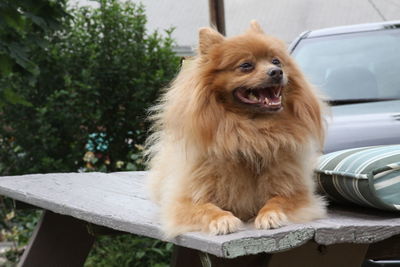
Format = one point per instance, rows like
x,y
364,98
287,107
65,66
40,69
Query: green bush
x,y
97,78
129,251
86,111
23,23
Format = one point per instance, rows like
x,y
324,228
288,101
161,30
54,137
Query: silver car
x,y
357,69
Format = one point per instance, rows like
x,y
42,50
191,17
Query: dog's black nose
x,y
275,73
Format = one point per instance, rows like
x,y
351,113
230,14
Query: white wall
x,y
282,18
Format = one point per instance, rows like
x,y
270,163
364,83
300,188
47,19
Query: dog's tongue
x,y
271,97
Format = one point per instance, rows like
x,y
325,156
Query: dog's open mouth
x,y
269,98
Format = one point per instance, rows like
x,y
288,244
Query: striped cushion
x,y
368,176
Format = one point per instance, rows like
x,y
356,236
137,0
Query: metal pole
x,y
217,15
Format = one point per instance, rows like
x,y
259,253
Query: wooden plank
x,y
120,202
315,255
357,225
98,230
58,240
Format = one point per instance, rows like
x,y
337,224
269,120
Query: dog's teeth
x,y
278,102
252,97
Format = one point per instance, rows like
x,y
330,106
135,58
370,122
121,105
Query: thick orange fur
x,y
214,162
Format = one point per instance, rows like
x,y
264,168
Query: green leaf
x,y
169,246
158,251
5,65
14,98
19,54
140,254
13,19
130,167
42,43
37,20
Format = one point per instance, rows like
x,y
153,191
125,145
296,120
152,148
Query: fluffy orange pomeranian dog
x,y
235,138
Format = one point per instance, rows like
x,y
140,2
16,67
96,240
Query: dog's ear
x,y
255,27
207,38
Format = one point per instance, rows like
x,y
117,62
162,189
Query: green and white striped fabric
x,y
368,176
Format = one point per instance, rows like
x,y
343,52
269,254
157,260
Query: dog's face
x,y
248,72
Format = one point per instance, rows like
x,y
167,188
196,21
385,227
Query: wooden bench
x,y
75,203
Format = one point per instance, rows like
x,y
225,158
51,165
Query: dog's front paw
x,y
224,224
270,218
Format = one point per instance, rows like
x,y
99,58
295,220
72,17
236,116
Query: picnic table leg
x,y
58,240
385,249
311,254
183,257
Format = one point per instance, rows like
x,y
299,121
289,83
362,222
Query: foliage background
x,y
83,109
23,23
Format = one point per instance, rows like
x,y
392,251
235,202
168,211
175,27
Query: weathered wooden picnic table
x,y
78,204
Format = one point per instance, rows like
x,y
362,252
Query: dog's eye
x,y
247,66
276,61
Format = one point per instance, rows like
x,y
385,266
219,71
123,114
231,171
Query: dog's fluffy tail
x,y
316,209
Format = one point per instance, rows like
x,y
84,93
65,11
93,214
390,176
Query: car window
x,y
353,66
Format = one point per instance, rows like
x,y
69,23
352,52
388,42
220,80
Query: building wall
x,y
282,18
